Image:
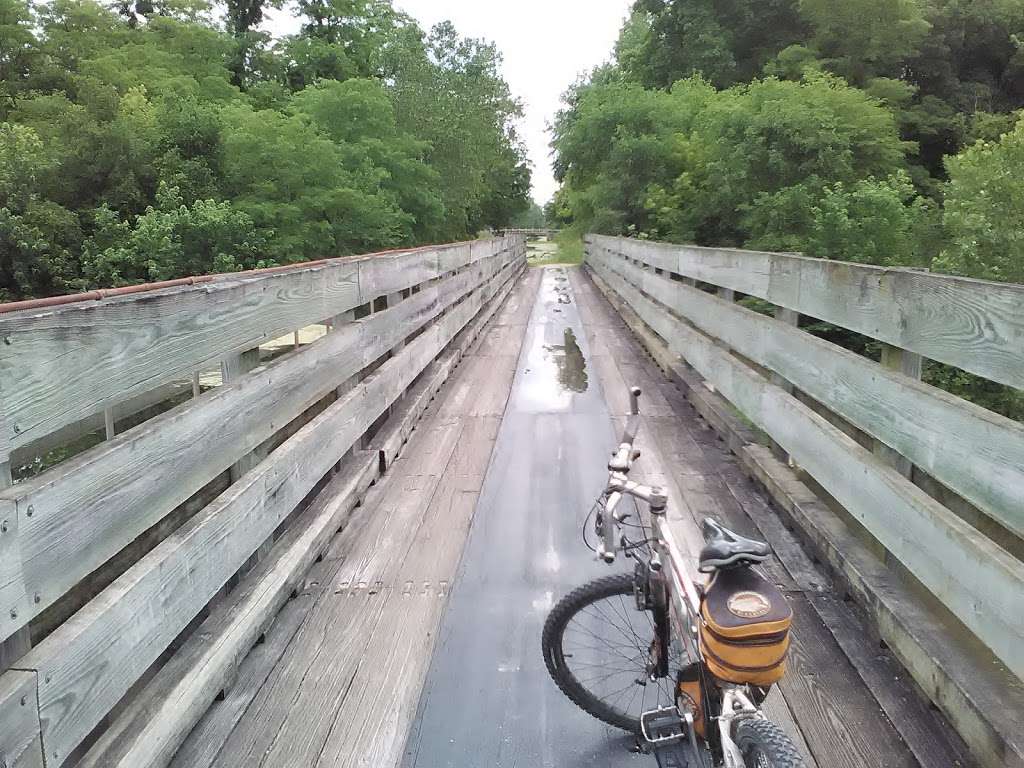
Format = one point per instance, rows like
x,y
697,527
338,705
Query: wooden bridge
x,y
333,538
531,233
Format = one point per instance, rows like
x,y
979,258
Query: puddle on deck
x,y
572,366
556,367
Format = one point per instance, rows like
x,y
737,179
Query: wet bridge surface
x,y
416,640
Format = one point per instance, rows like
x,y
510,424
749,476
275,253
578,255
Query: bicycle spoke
x,y
608,644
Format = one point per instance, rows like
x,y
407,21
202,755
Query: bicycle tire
x,y
553,639
766,745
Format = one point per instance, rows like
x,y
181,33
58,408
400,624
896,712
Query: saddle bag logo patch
x,y
749,605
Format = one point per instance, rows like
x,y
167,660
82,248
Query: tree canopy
x,y
880,131
845,130
149,140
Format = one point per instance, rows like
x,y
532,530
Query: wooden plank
x,y
974,451
205,742
971,687
65,363
86,509
148,734
954,670
18,642
908,364
361,536
416,521
928,737
287,723
233,368
20,741
838,716
108,423
932,744
971,324
87,664
777,710
396,431
973,577
150,402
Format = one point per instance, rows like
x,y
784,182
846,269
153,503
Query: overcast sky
x,y
546,44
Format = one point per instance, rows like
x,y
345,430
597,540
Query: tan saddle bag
x,y
745,633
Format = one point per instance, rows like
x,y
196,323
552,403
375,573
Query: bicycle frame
x,y
684,600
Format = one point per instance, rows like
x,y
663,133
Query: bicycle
x,y
707,655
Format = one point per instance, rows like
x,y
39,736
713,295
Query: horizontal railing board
x,y
90,662
154,726
971,687
149,733
86,509
975,452
970,324
20,745
977,580
62,364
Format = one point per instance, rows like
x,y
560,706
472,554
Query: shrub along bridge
x,y
339,549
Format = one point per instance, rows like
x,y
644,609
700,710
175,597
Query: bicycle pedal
x,y
661,727
672,756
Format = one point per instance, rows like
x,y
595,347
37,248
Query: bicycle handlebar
x,y
622,459
634,401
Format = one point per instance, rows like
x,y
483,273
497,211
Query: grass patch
x,y
566,248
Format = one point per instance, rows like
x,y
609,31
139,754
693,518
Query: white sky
x,y
546,44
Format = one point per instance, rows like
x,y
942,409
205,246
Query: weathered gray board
x,y
75,517
971,324
149,733
65,363
977,693
88,664
973,577
19,721
977,453
173,702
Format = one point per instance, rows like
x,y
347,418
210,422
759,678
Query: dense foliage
x,y
879,131
814,125
149,140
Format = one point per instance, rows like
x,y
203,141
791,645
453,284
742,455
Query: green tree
x,y
170,240
725,41
448,92
144,141
984,210
860,39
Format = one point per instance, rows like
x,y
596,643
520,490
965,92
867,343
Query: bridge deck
x,y
471,536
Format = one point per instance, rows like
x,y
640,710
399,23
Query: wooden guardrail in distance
x,y
240,458
756,362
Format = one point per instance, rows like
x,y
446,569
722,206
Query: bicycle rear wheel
x,y
766,745
598,649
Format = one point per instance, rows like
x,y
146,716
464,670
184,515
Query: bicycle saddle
x,y
723,548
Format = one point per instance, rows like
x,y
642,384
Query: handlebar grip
x,y
634,400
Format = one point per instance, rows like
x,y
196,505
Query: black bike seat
x,y
724,548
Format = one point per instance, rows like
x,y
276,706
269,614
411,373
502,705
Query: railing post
x,y
911,365
346,386
232,368
18,644
790,317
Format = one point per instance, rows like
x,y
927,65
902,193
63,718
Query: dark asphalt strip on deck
x,y
488,699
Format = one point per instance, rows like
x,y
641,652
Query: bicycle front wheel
x,y
765,745
600,649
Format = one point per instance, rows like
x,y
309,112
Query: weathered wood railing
x,y
872,435
107,558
